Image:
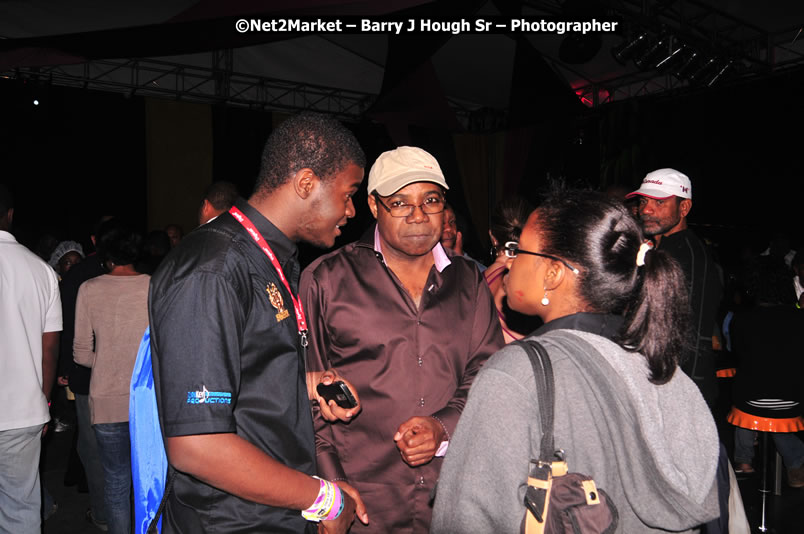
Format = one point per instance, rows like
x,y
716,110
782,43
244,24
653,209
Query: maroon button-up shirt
x,y
404,361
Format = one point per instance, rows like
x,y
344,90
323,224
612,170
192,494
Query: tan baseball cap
x,y
405,165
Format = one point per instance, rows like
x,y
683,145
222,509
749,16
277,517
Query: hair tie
x,y
643,249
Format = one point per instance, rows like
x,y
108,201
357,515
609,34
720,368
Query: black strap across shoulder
x,y
553,496
545,391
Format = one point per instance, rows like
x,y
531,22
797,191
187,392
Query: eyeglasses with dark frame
x,y
430,206
512,249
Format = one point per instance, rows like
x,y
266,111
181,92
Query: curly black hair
x,y
308,140
221,195
119,242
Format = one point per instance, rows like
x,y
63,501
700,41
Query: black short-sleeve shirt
x,y
705,292
226,359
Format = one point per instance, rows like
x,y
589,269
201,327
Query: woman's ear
x,y
554,275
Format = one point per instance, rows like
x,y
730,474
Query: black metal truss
x,y
220,85
694,22
216,84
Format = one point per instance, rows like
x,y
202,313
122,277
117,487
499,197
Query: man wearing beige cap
x,y
665,200
411,324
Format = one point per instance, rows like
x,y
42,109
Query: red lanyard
x,y
263,244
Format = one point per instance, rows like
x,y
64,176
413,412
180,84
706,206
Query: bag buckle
x,y
531,496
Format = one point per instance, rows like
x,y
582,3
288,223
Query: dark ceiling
x,y
191,50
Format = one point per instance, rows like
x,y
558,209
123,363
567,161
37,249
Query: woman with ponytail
x,y
615,316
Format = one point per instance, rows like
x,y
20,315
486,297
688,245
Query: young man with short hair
x,y
228,340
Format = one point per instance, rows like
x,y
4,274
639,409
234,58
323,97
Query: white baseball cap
x,y
663,183
405,165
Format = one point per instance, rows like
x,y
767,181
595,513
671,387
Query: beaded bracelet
x,y
328,505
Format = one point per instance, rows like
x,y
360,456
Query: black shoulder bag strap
x,y
549,472
536,499
545,391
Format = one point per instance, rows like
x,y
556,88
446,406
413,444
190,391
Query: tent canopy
x,y
191,50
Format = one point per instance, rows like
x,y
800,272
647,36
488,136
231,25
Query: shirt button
x,y
418,322
421,401
421,481
420,361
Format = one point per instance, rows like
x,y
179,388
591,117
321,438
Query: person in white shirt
x,y
30,323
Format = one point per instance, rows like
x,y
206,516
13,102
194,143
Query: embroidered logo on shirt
x,y
204,396
276,301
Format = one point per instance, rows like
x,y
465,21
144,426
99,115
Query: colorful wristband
x,y
328,504
337,506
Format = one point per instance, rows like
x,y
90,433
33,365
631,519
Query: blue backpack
x,y
149,465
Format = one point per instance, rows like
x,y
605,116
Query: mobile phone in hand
x,y
339,392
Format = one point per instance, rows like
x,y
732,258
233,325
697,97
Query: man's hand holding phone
x,y
337,398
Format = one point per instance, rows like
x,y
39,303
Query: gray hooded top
x,y
652,449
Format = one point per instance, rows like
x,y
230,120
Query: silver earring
x,y
545,300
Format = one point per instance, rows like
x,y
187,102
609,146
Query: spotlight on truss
x,y
688,66
705,70
676,57
650,57
628,50
721,73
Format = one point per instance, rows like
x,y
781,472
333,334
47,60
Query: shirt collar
x,y
440,258
283,248
602,324
7,236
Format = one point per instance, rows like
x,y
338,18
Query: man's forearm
x,y
50,359
327,458
244,470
